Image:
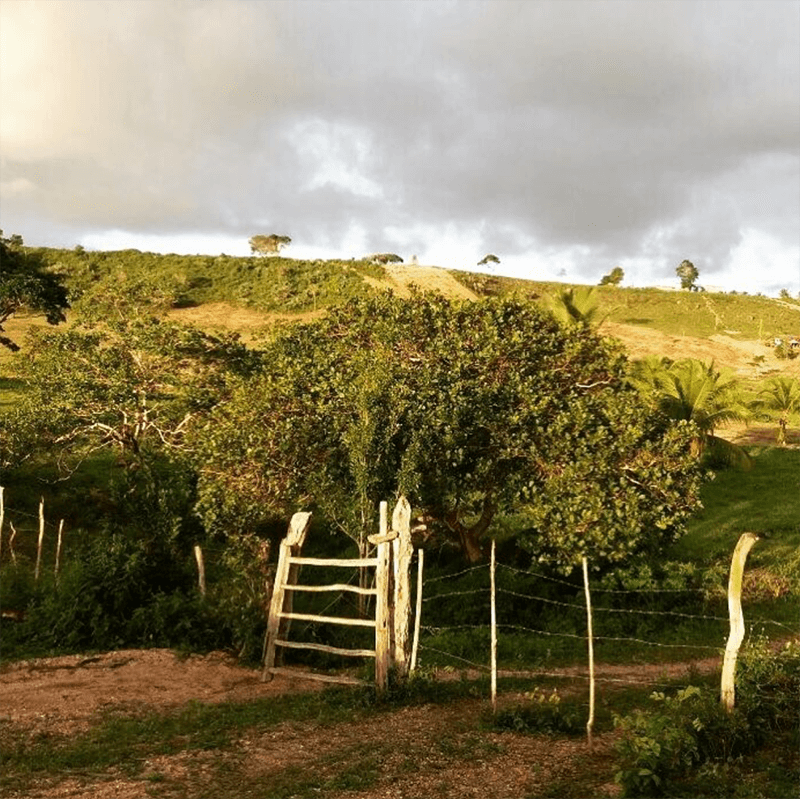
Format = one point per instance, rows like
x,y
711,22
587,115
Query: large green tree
x,y
24,283
471,410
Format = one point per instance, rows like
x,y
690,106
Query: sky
x,y
565,137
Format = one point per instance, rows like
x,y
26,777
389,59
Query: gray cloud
x,y
591,131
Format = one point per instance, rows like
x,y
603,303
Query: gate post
x,y
401,562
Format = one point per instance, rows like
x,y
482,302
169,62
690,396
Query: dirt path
x,y
411,752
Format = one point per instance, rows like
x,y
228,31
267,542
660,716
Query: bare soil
x,y
421,751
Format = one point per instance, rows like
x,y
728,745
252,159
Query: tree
x,y
613,278
487,259
692,391
780,395
688,274
24,283
384,258
572,306
132,385
469,409
268,245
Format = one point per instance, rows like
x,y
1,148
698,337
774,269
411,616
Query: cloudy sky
x,y
564,137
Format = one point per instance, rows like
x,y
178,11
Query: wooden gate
x,y
391,591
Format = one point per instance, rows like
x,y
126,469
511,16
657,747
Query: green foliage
x,y
573,306
614,277
25,282
543,713
692,391
780,395
468,409
688,274
659,748
489,259
268,245
131,385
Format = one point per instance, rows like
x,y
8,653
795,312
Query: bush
x,y
659,747
543,713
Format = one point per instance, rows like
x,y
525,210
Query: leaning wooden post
x,y
494,630
589,635
295,537
401,563
201,569
418,614
58,548
382,632
728,689
41,541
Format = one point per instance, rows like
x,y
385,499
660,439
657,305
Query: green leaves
x,y
470,409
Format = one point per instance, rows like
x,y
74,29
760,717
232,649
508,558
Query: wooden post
x,y
401,563
728,687
201,569
494,630
418,614
589,635
298,527
58,548
382,632
41,541
2,516
11,543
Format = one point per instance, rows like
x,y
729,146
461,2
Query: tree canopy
x,y
268,245
470,409
24,283
688,274
487,259
614,277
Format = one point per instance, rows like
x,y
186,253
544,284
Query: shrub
x,y
543,713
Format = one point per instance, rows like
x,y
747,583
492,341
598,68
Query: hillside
x,y
247,294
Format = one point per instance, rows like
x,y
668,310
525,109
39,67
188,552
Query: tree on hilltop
x,y
384,258
24,283
688,274
613,278
487,259
268,245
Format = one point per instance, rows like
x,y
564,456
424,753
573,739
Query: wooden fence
x,y
391,592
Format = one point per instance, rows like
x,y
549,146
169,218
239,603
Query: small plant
x,y
543,713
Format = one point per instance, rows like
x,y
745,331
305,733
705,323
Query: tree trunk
x,y
469,537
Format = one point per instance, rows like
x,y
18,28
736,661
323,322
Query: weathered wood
x,y
11,543
347,620
418,614
353,562
493,620
201,569
590,637
736,635
334,650
382,629
340,679
343,587
382,538
41,541
402,551
281,600
58,548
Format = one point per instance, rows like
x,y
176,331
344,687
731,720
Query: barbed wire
x,y
596,590
455,574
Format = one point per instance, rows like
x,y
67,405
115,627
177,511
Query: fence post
x,y
41,541
590,636
298,527
727,687
382,634
11,543
401,563
58,549
418,614
494,629
201,569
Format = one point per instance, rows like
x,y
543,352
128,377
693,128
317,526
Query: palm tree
x,y
697,392
576,305
781,395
